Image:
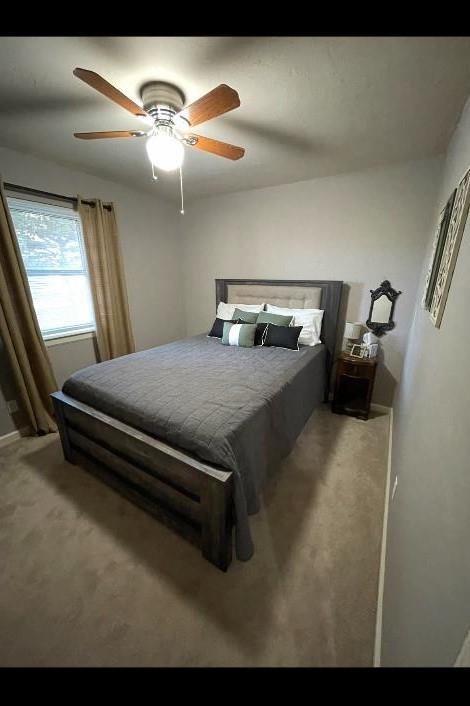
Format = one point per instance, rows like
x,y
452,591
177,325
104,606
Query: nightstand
x,y
353,385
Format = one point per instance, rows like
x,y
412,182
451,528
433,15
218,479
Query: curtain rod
x,y
47,194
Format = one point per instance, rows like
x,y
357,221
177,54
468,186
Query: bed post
x,y
62,427
216,506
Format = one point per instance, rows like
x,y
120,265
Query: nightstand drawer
x,y
357,370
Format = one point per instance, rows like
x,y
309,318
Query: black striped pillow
x,y
282,336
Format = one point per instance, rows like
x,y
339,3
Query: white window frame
x,y
57,337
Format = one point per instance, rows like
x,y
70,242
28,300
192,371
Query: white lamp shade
x,y
352,330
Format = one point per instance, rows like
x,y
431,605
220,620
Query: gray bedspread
x,y
239,408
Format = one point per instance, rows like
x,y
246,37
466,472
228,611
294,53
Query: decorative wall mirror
x,y
382,305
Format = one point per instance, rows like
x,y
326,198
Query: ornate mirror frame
x,y
379,329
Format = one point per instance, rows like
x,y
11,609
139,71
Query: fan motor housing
x,y
158,95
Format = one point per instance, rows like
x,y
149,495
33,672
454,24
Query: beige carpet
x,y
87,579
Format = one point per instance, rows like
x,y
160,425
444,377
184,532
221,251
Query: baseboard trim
x,y
463,659
373,405
380,408
383,551
7,439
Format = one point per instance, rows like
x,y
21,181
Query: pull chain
x,y
181,186
181,189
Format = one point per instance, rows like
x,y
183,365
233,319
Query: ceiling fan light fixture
x,y
165,151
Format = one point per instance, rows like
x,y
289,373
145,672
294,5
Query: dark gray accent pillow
x,y
259,334
282,336
218,328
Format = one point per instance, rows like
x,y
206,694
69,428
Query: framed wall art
x,y
437,250
450,252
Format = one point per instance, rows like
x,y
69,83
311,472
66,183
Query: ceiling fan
x,y
169,120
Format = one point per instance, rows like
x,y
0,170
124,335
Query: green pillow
x,y
248,317
265,317
239,334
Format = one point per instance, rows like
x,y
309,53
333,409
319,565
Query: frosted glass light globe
x,y
165,152
181,125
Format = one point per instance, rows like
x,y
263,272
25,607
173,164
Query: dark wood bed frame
x,y
190,496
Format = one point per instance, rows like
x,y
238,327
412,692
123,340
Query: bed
x,y
190,429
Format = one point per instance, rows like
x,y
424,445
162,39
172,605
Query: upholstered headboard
x,y
295,294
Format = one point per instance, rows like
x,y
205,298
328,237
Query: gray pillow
x,y
265,317
239,334
248,317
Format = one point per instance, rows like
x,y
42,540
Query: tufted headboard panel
x,y
289,296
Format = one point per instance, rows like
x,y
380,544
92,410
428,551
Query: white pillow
x,y
225,311
309,319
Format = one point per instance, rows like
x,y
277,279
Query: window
x,y
51,243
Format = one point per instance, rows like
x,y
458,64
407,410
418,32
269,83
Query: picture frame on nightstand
x,y
357,351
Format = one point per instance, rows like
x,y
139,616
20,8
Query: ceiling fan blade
x,y
106,89
222,149
217,102
110,133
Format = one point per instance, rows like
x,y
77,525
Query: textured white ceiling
x,y
310,107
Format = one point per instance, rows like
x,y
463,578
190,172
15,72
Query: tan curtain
x,y
20,331
108,285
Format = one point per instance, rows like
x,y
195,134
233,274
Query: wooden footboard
x,y
192,497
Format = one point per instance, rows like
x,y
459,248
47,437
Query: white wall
x,y
360,228
148,229
426,608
